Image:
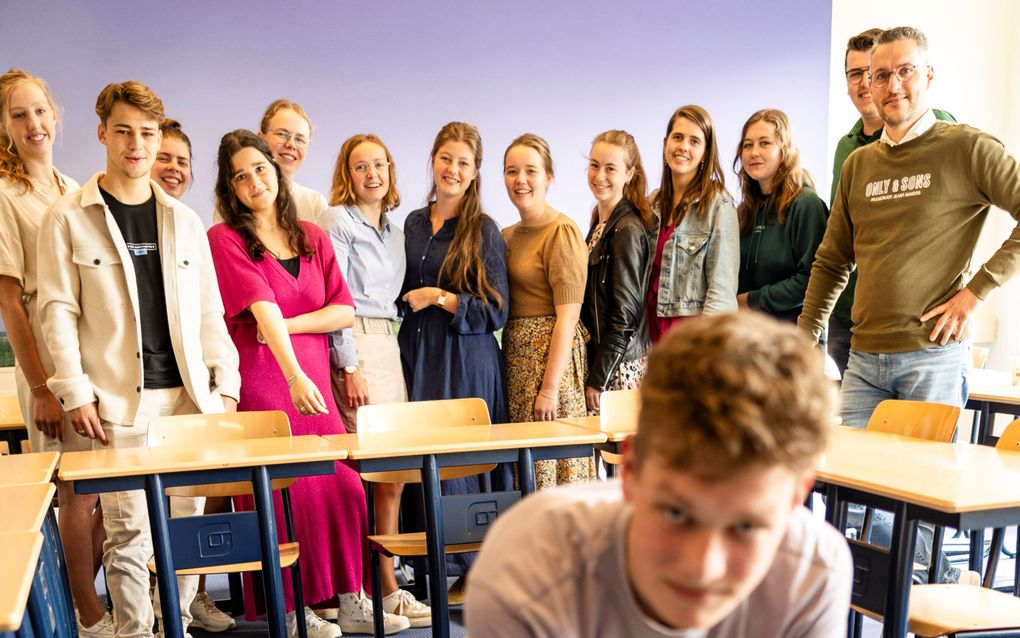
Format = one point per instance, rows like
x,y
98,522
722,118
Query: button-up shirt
x,y
919,127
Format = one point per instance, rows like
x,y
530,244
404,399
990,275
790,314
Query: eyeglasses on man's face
x,y
904,73
855,76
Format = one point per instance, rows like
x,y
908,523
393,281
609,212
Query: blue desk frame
x,y
49,611
429,465
261,477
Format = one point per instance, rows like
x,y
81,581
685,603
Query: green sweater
x,y
909,217
849,143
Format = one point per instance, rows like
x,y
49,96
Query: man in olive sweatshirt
x,y
908,212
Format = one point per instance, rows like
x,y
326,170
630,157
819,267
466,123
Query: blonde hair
x,y
278,105
341,192
11,164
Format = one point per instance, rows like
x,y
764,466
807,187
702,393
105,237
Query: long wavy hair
x,y
464,267
341,192
790,179
241,218
11,163
636,190
708,181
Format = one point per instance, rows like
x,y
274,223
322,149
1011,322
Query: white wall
x,y
975,51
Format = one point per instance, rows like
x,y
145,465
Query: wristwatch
x,y
441,299
350,369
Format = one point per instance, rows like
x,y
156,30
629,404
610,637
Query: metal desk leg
x,y
977,551
983,416
52,536
262,490
897,602
435,542
166,575
526,471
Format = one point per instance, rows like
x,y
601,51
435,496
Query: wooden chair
x,y
186,430
414,416
1009,441
615,405
960,611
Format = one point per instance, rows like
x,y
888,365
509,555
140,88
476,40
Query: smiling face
x,y
860,92
132,140
684,149
760,154
901,103
288,135
697,547
453,170
30,121
253,180
608,173
526,178
370,174
172,168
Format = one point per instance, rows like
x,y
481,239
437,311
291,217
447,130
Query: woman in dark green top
x,y
782,220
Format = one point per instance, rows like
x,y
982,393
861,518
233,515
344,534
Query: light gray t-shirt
x,y
554,566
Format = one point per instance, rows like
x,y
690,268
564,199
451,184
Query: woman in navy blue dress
x,y
455,294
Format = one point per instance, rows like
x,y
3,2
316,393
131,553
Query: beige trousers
x,y
128,546
379,360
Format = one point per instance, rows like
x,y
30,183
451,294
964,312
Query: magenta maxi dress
x,y
330,515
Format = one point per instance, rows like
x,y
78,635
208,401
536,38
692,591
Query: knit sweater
x,y
909,216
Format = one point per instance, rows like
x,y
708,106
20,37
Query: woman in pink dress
x,y
282,294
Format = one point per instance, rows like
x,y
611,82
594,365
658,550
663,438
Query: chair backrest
x,y
1010,439
10,410
415,415
917,419
619,404
196,429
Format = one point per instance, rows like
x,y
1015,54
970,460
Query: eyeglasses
x,y
361,168
855,76
903,72
284,136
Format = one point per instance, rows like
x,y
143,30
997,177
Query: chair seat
x,y
288,556
612,458
937,610
414,476
413,544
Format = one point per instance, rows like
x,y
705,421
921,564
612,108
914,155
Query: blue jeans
x,y
937,374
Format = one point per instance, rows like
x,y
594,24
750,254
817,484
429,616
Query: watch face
x,y
350,369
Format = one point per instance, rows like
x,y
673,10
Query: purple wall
x,y
566,70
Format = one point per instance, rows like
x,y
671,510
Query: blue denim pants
x,y
937,374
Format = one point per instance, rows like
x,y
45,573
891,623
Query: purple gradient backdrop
x,y
566,70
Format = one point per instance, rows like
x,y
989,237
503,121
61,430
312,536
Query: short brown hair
x,y
133,93
863,41
341,192
729,390
902,33
278,105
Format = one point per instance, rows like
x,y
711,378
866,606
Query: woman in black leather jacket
x,y
620,245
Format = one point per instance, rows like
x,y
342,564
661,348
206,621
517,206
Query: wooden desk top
x,y
108,463
466,438
616,430
949,477
19,554
27,469
25,506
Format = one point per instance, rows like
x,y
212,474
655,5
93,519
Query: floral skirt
x,y
526,342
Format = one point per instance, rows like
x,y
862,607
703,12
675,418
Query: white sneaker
x,y
403,603
102,629
317,627
206,615
355,616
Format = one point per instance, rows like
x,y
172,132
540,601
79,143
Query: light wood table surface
x,y
960,485
25,506
616,430
27,469
19,555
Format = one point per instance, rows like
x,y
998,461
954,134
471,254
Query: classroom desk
x,y
156,468
19,554
959,485
428,450
616,429
990,396
26,469
25,506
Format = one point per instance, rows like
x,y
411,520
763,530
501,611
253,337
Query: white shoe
x,y
355,616
206,615
102,629
317,627
403,603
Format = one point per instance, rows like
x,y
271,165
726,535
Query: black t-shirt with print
x,y
138,226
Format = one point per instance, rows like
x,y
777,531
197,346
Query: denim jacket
x,y
700,261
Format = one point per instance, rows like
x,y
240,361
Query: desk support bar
x,y
435,544
262,491
526,470
166,575
904,536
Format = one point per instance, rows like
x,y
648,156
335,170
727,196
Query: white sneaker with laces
x,y
206,615
403,603
317,627
102,629
355,616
